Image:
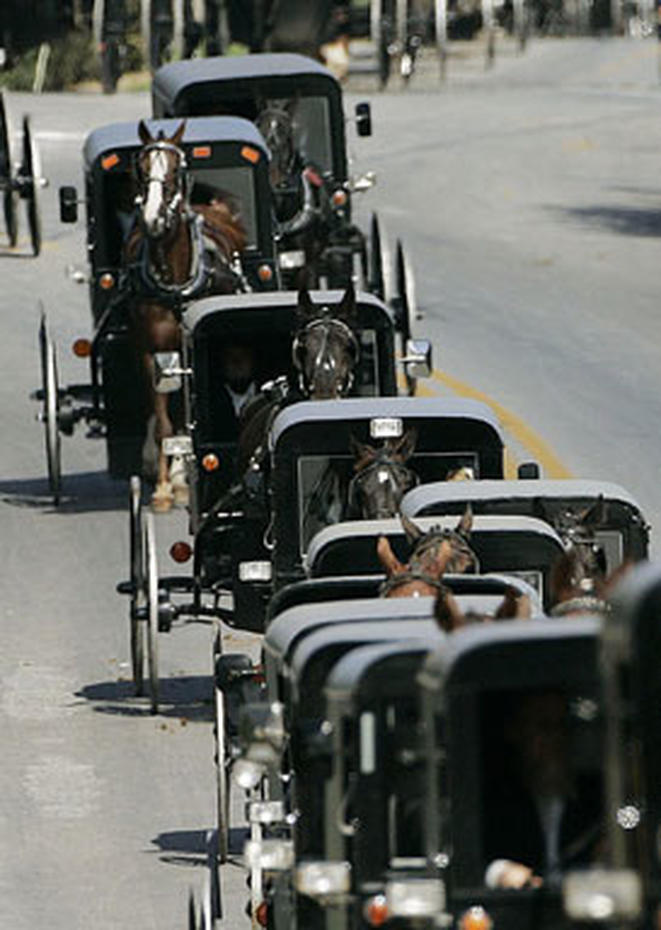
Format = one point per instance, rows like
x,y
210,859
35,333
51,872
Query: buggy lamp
x,y
255,571
386,427
177,445
475,918
265,273
289,261
210,462
323,880
247,774
107,281
415,898
339,198
418,360
82,348
265,812
269,855
603,895
180,551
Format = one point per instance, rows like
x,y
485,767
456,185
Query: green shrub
x,y
72,59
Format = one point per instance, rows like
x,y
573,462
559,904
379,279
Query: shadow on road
x,y
625,221
192,847
85,492
188,699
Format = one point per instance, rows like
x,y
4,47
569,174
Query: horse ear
x,y
413,532
596,514
144,133
306,308
406,445
465,525
179,134
388,558
363,452
347,307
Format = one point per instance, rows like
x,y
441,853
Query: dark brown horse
x,y
325,353
435,553
381,477
450,617
176,253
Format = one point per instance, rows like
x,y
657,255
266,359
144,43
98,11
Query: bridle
x,y
327,325
386,466
427,543
175,183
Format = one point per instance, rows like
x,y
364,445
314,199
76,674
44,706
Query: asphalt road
x,y
530,200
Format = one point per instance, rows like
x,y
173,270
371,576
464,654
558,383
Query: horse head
x,y
381,477
578,577
161,176
325,350
450,617
276,124
435,553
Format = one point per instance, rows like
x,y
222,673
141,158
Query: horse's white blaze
x,y
158,167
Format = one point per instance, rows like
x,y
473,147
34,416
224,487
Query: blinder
x,y
328,323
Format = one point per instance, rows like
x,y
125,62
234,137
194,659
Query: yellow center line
x,y
513,424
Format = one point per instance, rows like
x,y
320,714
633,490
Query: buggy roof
x,y
347,676
467,657
432,408
202,310
199,129
291,624
430,498
172,78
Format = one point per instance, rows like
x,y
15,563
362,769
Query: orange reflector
x,y
262,914
202,151
110,161
250,154
180,551
82,348
475,918
107,281
265,273
211,462
339,198
376,911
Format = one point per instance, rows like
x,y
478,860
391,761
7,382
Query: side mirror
x,y
363,119
167,372
418,358
527,470
68,205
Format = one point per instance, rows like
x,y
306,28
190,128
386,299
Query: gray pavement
x,y
530,200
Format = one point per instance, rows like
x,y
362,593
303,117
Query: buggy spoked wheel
x,y
380,279
50,410
31,182
406,304
151,572
222,776
7,180
137,584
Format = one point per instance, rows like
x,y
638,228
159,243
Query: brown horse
x,y
436,552
450,617
176,253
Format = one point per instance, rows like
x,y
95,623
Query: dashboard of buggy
x,y
323,485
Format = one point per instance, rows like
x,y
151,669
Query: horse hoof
x,y
181,495
162,500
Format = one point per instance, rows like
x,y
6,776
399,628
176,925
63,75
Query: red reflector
x,y
262,914
210,462
202,151
180,551
82,348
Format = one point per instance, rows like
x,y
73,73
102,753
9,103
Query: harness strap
x,y
587,604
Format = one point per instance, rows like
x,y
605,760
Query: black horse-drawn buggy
x,y
297,105
224,158
20,180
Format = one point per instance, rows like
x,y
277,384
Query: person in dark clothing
x,y
540,818
235,386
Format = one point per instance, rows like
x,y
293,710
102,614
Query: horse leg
x,y
163,496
